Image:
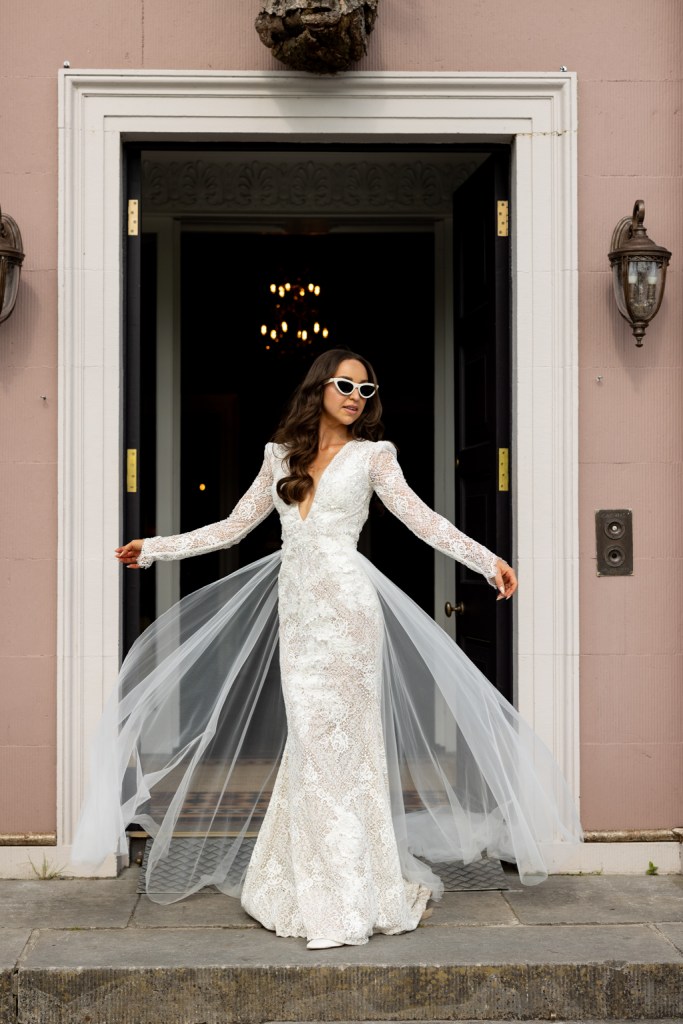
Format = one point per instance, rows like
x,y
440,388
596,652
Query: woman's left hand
x,y
506,580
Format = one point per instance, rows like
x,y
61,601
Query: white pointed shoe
x,y
323,944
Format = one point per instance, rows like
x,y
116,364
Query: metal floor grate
x,y
483,874
486,873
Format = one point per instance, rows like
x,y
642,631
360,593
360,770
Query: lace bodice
x,y
338,511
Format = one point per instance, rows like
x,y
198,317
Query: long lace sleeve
x,y
390,485
250,510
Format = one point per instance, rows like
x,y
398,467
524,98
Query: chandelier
x,y
295,321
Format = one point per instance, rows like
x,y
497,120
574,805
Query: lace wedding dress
x,y
346,717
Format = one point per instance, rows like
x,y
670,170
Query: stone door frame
x,y
536,113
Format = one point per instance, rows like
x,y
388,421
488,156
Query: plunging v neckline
x,y
334,458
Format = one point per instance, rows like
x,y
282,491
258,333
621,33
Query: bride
x,y
310,668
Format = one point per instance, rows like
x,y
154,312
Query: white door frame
x,y
98,111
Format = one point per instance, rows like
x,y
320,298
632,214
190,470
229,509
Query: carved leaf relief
x,y
306,185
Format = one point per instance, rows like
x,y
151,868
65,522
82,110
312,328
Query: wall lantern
x,y
638,271
11,258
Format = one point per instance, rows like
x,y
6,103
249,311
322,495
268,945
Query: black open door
x,y
139,370
130,468
482,413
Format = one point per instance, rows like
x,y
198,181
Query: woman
x,y
335,858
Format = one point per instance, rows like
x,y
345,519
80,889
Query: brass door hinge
x,y
503,469
503,218
133,216
132,470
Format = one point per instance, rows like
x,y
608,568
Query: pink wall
x,y
628,59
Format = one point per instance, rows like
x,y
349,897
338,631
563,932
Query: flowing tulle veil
x,y
190,742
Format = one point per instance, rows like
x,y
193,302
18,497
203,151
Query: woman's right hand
x,y
128,554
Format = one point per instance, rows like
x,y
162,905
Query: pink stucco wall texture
x,y
628,58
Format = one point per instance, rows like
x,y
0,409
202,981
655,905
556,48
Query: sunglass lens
x,y
345,387
366,390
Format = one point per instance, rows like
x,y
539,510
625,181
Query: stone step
x,y
580,949
217,976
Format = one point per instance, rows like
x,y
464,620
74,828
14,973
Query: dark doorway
x,y
376,297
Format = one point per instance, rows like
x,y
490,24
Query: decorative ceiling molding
x,y
314,185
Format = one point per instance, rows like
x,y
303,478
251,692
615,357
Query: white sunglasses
x,y
347,387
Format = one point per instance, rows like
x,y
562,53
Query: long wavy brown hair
x,y
298,429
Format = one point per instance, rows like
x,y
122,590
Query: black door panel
x,y
482,415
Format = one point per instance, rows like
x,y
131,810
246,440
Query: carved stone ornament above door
x,y
320,36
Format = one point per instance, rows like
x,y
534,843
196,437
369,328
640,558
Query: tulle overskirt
x,y
190,742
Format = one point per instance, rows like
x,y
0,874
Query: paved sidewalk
x,y
576,947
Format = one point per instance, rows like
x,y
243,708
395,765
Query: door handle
x,y
458,608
